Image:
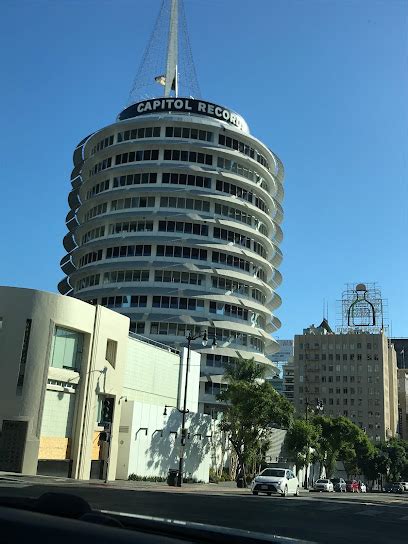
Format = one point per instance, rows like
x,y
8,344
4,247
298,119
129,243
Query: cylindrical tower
x,y
175,221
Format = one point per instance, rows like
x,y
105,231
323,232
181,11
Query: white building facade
x,y
77,389
175,222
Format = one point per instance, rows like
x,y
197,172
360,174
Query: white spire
x,y
171,82
167,59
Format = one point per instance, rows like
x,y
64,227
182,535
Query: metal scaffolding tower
x,y
362,309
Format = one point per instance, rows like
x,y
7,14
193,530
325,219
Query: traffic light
x,y
107,409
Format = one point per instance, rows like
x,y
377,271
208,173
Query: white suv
x,y
276,480
323,485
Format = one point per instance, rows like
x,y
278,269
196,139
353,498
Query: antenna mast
x,y
167,60
171,82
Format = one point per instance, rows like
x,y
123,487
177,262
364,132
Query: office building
x,y
81,398
403,403
401,349
353,372
280,359
288,389
174,222
354,375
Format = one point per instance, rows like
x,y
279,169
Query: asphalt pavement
x,y
318,517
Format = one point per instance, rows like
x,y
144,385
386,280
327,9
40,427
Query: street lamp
x,y
184,411
319,407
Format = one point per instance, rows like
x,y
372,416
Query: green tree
x,y
398,460
301,437
377,463
341,440
253,407
327,448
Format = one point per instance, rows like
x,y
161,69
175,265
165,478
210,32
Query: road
x,y
319,518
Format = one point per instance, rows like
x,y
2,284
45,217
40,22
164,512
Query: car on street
x,y
352,486
362,487
276,480
404,485
339,484
323,485
397,487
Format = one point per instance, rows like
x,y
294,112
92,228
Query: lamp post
x,y
184,411
319,406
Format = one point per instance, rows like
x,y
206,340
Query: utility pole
x,y
319,406
185,411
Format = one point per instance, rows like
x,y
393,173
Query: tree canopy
x,y
332,440
301,440
253,408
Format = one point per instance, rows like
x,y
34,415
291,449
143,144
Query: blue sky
x,y
323,83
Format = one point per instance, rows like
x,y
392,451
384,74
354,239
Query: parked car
x,y
362,487
276,480
339,484
397,487
388,487
404,485
323,485
352,486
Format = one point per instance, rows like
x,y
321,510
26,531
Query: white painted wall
x,y
154,453
58,414
151,374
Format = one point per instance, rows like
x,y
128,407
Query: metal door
x,y
12,445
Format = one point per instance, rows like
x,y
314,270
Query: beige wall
x,y
403,402
47,310
392,389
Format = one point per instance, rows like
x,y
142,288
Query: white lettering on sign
x,y
184,105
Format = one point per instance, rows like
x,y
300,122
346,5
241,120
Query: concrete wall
x,y
149,445
57,425
403,402
31,401
154,377
151,373
393,390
